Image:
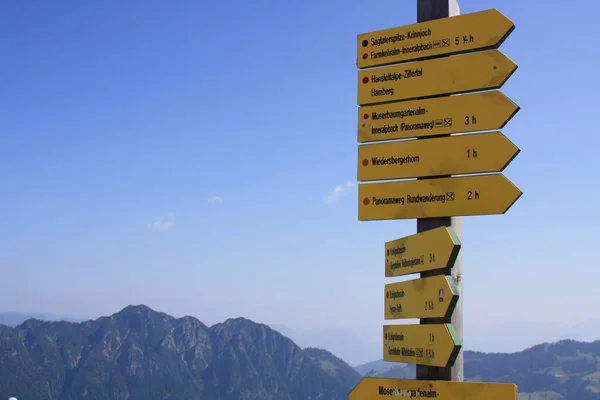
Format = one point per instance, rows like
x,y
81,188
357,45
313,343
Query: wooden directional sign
x,y
452,155
481,111
435,345
426,251
467,32
382,388
433,297
429,198
439,76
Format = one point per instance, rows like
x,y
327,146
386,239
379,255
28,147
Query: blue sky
x,y
115,114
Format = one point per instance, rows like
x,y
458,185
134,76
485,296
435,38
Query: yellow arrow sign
x,y
444,197
482,111
454,155
468,32
438,76
426,251
380,388
433,297
436,345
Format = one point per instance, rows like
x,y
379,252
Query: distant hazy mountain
x,y
509,337
345,343
567,370
374,367
343,373
505,338
139,353
585,331
15,318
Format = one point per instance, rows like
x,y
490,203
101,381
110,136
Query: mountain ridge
x,y
355,349
561,370
139,353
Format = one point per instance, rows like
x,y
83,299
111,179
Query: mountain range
x,y
354,349
566,370
358,349
12,318
138,353
362,345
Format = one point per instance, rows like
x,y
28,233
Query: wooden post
x,y
429,10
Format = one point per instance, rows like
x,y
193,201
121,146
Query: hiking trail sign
x,y
469,32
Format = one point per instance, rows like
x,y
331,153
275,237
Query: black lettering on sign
x,y
430,198
387,39
384,129
390,76
394,351
409,112
385,53
395,337
419,34
396,309
417,48
409,352
397,250
395,392
408,263
464,39
410,35
409,393
411,73
382,92
394,160
418,126
387,200
472,195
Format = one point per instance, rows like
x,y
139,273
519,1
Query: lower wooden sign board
x,y
432,297
483,70
380,388
435,345
482,111
436,197
425,251
453,155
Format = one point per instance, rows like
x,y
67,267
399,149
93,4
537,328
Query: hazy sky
x,y
200,158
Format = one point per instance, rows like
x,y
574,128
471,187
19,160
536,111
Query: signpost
x,y
419,92
383,388
433,297
481,111
435,345
476,31
464,154
432,10
457,196
430,250
438,76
